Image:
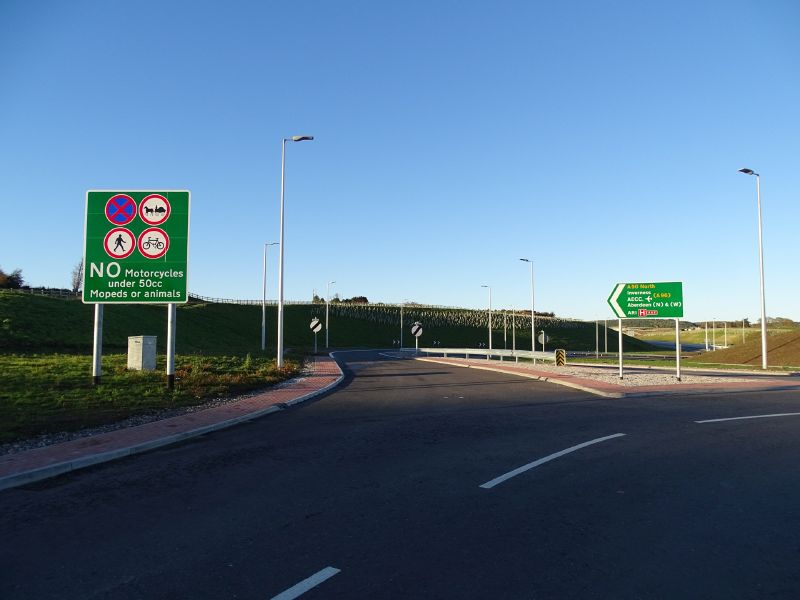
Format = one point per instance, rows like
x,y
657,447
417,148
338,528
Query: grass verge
x,y
48,393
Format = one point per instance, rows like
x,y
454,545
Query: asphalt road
x,y
374,491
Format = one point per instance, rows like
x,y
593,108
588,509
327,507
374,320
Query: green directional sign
x,y
136,248
647,300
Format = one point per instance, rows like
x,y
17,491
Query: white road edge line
x,y
541,461
301,588
751,417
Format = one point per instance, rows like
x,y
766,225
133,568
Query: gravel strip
x,y
48,439
636,378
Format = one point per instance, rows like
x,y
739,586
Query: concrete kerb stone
x,y
53,470
627,393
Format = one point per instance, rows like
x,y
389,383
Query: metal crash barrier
x,y
489,354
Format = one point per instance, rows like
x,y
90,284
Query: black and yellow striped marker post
x,y
561,357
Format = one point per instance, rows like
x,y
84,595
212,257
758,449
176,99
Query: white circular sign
x,y
153,242
154,209
119,242
543,338
416,329
315,325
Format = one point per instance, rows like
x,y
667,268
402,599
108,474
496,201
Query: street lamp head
x,y
486,286
525,260
747,171
302,138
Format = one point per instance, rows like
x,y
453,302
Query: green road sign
x,y
136,247
647,300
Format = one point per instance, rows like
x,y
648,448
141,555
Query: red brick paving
x,y
32,465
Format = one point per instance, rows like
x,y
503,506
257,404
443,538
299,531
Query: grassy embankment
x,y
46,343
735,337
783,351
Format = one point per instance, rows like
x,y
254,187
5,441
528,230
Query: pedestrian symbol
x,y
121,209
119,243
154,209
153,242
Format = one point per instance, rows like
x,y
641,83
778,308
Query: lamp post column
x,y
280,260
294,138
327,312
761,271
760,268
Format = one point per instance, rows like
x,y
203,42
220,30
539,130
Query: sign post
x,y
543,338
619,347
652,300
136,251
678,349
416,331
316,327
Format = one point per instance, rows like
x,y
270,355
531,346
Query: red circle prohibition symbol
x,y
120,209
119,242
159,210
153,242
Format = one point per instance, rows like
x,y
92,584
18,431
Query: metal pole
x,y
597,339
677,349
726,334
505,330
97,344
280,261
605,329
619,348
264,302
761,270
327,308
264,299
533,320
490,323
714,334
315,342
706,336
514,334
742,331
171,314
489,353
401,326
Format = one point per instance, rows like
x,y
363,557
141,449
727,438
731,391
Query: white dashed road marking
x,y
301,588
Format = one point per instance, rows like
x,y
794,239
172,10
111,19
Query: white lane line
x,y
751,417
541,461
305,585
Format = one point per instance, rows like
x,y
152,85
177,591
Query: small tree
x,y
77,277
11,281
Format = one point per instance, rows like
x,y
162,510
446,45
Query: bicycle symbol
x,y
153,242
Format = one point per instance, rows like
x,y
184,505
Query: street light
x,y
327,310
490,319
533,314
761,268
294,138
264,298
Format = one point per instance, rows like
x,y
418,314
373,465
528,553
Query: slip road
x,y
377,490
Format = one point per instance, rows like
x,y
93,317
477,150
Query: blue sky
x,y
601,140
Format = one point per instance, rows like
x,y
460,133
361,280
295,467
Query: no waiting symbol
x,y
120,209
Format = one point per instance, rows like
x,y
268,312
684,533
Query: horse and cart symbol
x,y
154,209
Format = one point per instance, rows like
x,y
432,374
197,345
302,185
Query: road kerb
x,y
59,468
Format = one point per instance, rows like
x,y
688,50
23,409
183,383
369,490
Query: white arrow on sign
x,y
613,300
